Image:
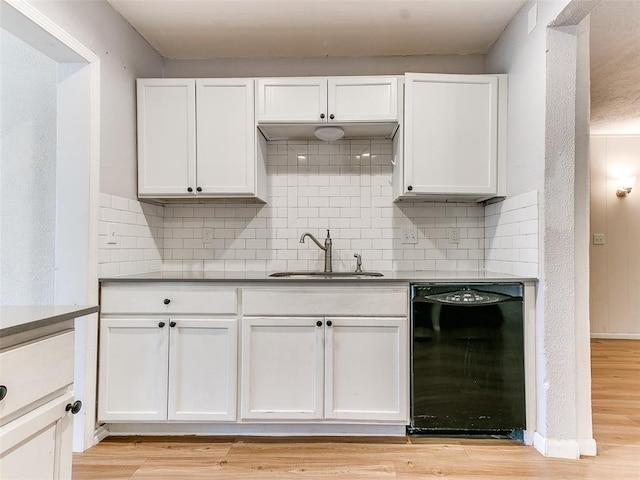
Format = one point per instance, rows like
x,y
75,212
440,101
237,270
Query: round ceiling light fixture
x,y
329,134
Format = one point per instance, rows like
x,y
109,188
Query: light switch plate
x,y
207,235
112,237
598,238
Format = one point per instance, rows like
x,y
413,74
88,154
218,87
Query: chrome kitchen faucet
x,y
326,249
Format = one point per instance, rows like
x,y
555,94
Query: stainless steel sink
x,y
327,274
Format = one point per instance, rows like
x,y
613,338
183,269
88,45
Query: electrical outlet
x,y
112,237
598,238
207,235
409,235
454,235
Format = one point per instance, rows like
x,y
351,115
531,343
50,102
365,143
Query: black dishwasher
x,y
467,368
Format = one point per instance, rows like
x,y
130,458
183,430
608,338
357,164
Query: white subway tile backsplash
x,y
344,186
511,235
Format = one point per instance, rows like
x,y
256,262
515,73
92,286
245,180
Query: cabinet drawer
x,y
326,301
34,371
151,298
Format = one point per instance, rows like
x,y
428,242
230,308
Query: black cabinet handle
x,y
319,323
322,115
332,116
189,189
329,323
3,392
199,189
409,188
75,407
161,324
172,324
166,301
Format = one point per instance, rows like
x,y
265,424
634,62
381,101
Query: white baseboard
x,y
571,449
100,434
617,336
588,447
254,429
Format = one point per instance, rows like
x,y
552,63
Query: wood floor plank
x,y
616,426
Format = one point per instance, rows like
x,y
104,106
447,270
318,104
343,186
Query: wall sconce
x,y
626,184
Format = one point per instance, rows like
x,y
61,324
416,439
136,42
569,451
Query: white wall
x,y
283,67
615,266
124,56
521,55
28,173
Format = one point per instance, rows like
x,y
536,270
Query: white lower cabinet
x,y
366,369
38,444
282,368
332,368
36,426
156,369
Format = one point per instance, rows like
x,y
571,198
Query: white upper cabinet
x,y
198,138
453,136
327,100
282,100
166,136
226,134
362,99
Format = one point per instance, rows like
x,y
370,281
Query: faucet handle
x,y
328,236
358,263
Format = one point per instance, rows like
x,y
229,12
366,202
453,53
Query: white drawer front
x,y
152,298
326,301
35,370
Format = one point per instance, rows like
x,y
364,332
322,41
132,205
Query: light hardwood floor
x,y
616,418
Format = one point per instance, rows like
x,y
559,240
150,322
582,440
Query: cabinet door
x,y
451,134
38,444
166,137
226,137
132,381
363,99
282,368
202,369
292,100
367,369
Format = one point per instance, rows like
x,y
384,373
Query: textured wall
x,y
27,173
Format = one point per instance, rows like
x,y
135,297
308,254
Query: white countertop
x,y
17,319
388,276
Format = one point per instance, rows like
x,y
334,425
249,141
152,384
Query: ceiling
x,y
186,29
204,29
615,67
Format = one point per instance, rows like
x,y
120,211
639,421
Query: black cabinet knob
x,y
409,188
189,189
319,323
172,324
199,189
161,324
322,115
3,392
75,407
329,323
332,116
166,301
